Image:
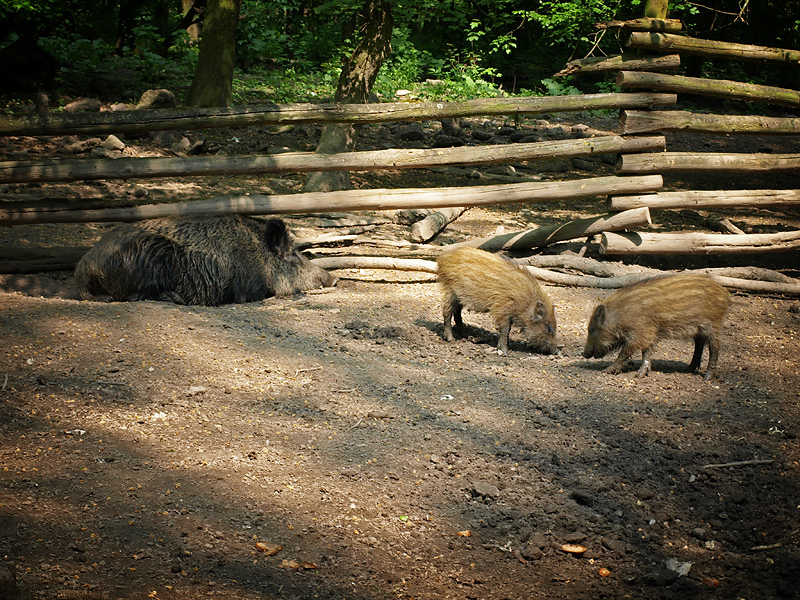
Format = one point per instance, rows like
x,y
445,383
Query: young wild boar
x,y
484,282
668,306
197,260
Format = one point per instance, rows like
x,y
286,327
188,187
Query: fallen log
x,y
332,263
85,169
620,62
124,122
666,42
543,236
643,24
347,200
672,162
698,243
34,260
707,199
423,230
546,276
590,266
640,121
709,87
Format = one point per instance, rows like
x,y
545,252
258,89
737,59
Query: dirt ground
x,y
333,445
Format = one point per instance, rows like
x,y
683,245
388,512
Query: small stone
x,y
486,490
699,533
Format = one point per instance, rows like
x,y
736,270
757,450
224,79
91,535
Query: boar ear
x,y
599,316
277,237
539,311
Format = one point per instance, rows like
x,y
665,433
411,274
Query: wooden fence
x,y
640,148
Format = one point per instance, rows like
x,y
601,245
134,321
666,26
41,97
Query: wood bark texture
x,y
276,114
698,243
130,168
722,88
640,121
348,200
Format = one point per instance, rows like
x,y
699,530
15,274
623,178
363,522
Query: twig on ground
x,y
740,463
767,547
296,373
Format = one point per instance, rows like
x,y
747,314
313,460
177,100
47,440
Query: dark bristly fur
x,y
484,282
670,306
197,260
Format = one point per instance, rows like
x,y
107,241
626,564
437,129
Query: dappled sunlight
x,y
189,442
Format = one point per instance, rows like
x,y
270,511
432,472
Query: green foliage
x,y
555,87
283,86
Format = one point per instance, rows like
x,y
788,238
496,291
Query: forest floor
x,y
333,445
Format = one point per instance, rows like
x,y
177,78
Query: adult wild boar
x,y
197,260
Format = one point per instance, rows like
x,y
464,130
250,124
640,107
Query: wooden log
x,y
123,122
643,24
375,262
710,87
423,230
33,260
543,236
84,169
666,42
674,162
698,243
640,121
626,62
348,200
547,276
707,199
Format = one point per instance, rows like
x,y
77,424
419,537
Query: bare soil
x,y
333,445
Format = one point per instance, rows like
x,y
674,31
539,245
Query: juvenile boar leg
x,y
504,329
713,355
699,344
616,367
451,308
645,368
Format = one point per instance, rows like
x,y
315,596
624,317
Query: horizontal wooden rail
x,y
347,200
643,24
671,162
76,169
698,243
722,88
620,62
657,121
666,42
273,114
707,199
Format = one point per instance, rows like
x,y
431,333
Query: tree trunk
x,y
656,9
213,80
191,20
355,84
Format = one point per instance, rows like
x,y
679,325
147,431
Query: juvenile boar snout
x,y
484,282
199,261
634,318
